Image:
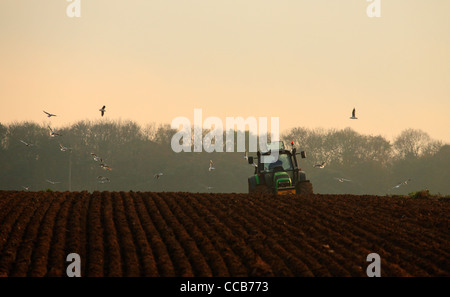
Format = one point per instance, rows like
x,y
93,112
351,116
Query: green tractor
x,y
282,177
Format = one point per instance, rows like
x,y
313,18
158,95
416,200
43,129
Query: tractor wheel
x,y
304,188
251,185
261,189
254,188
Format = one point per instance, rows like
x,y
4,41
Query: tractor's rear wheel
x,y
304,188
260,189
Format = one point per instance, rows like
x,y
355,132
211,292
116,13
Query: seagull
x,y
102,110
158,175
401,184
106,167
49,114
211,165
53,133
103,179
27,144
340,179
63,148
206,187
52,182
26,188
97,158
322,165
353,117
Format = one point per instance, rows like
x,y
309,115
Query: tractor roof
x,y
279,152
276,145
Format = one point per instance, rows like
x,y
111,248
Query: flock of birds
x,y
102,164
53,133
157,176
341,179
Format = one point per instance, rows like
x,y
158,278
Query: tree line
x,y
31,158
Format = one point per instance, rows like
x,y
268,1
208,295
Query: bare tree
x,y
414,143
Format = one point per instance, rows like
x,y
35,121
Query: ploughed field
x,y
199,234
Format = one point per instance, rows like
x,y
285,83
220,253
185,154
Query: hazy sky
x,y
308,62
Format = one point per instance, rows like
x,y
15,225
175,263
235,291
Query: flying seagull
x,y
103,179
340,179
97,158
27,144
53,133
106,167
157,176
353,117
52,182
206,187
63,148
211,165
401,184
26,188
321,165
102,110
49,114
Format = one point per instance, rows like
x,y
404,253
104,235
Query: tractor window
x,y
283,160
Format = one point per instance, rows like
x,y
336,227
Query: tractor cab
x,y
277,171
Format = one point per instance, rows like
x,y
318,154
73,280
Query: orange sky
x,y
307,62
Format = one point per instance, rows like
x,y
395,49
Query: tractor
x,y
282,176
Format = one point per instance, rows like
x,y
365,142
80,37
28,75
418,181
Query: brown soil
x,y
188,234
